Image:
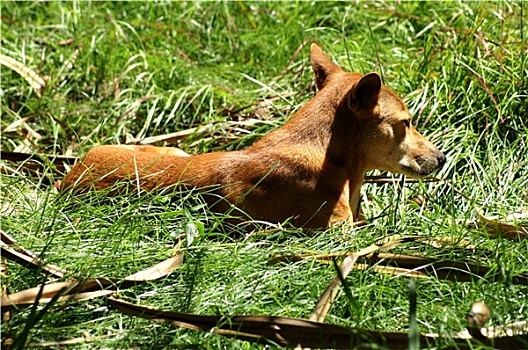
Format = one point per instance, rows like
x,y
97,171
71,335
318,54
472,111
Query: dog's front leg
x,y
355,205
355,199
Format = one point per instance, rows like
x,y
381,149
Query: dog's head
x,y
384,133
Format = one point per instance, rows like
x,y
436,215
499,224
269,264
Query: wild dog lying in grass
x,y
310,169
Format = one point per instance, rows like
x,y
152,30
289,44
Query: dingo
x,y
309,170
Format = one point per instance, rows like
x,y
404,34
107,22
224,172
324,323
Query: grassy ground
x,y
124,70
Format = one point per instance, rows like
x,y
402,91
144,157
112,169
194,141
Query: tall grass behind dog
x,y
310,169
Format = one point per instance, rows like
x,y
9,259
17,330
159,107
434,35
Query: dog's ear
x,y
322,66
364,95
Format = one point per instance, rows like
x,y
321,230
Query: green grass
x,y
150,68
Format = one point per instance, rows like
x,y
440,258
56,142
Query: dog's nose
x,y
441,159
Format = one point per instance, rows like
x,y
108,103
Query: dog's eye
x,y
407,123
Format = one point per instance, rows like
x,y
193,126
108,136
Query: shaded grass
x,y
145,69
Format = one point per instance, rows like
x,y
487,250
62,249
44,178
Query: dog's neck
x,y
329,132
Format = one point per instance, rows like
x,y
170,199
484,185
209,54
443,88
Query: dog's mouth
x,y
416,173
421,167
